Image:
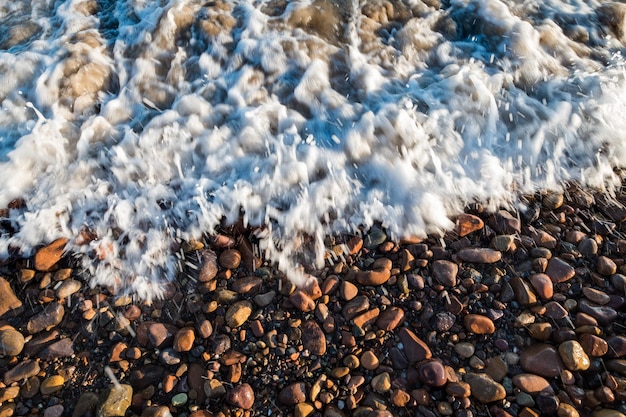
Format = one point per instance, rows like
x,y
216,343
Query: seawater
x,y
146,123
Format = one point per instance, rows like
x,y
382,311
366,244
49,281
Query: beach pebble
x,y
479,255
485,389
588,247
293,394
86,404
373,278
161,335
238,313
390,318
604,314
49,255
369,360
11,342
445,272
596,296
348,290
21,371
464,349
313,338
115,400
247,285
183,341
51,384
617,346
468,223
241,396
432,373
63,348
302,301
606,266
67,288
479,324
415,349
303,410
567,410
542,284
542,359
555,310
531,383
48,318
459,389
54,411
208,269
523,293
593,345
381,383
559,271
8,301
505,223
230,259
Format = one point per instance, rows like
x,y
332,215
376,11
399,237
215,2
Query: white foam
x,y
304,133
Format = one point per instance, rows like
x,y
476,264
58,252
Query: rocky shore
x,y
510,314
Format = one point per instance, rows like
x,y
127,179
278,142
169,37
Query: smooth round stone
x,y
445,272
555,310
606,266
373,278
588,247
459,389
115,401
540,331
464,349
619,282
524,399
22,371
293,394
369,360
179,399
230,259
542,359
604,314
479,324
543,286
485,389
303,410
11,342
238,313
596,296
381,383
241,396
432,373
313,338
567,410
559,271
348,290
390,318
415,349
593,345
183,341
51,385
573,355
531,383
68,288
607,412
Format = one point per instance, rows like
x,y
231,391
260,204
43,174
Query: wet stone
x,y
432,373
348,290
485,389
444,321
531,383
464,349
559,271
313,338
542,284
596,296
522,291
68,287
52,384
241,396
87,402
8,302
415,349
48,318
293,394
588,247
369,360
604,314
445,272
555,310
593,345
390,318
479,255
49,255
381,383
505,223
247,285
115,400
468,223
183,341
208,270
606,266
542,359
459,389
238,313
479,324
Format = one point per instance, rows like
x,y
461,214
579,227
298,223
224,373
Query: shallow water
x,y
150,122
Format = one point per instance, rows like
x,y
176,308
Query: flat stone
x,y
52,384
604,314
555,310
247,285
542,359
479,324
183,341
432,373
48,318
355,307
115,400
485,389
596,296
542,284
313,338
209,269
9,393
348,290
559,271
366,318
67,288
8,302
616,346
369,360
230,259
414,348
468,223
445,272
531,383
241,396
497,368
391,318
63,348
11,342
265,299
540,331
607,412
48,256
479,255
573,356
373,278
503,243
238,313
543,239
21,371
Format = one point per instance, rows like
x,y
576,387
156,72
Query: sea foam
x,y
144,124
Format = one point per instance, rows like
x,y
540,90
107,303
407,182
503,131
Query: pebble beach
x,y
508,314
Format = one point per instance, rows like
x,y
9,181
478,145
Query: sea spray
x,y
132,127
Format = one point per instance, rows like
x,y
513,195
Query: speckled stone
x,y
574,356
445,272
114,401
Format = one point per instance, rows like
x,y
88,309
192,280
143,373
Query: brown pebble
x,y
559,271
606,266
468,223
542,284
531,383
479,255
445,272
415,349
432,373
391,318
241,396
542,359
313,338
293,394
48,256
485,389
183,341
369,360
374,278
348,290
8,302
593,345
302,301
479,324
